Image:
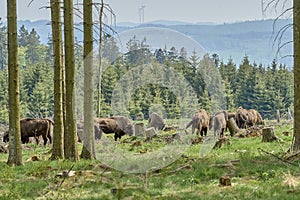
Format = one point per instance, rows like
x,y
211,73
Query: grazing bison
x,y
200,121
34,127
119,125
254,118
80,126
218,123
156,121
246,118
241,117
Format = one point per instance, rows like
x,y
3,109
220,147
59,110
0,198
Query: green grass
x,y
254,175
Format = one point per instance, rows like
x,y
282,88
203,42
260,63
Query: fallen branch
x,y
281,159
229,164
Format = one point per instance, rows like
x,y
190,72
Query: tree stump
x,y
139,129
268,134
150,133
221,142
232,127
225,181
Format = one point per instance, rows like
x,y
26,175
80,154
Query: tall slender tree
x,y
88,151
58,147
100,58
70,136
296,20
15,149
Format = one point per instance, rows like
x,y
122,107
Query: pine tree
x,y
243,76
23,37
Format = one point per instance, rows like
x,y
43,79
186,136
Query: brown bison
x,y
200,121
254,118
119,125
246,118
80,127
218,122
156,121
34,127
241,117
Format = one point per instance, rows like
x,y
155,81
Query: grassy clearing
x,y
254,174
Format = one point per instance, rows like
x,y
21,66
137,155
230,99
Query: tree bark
x,y
15,148
268,135
232,127
70,136
100,59
88,150
296,28
58,146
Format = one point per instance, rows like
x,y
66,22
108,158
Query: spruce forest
x,y
249,84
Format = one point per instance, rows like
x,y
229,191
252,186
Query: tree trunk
x,y
58,147
70,136
15,148
295,148
100,59
232,127
268,134
88,150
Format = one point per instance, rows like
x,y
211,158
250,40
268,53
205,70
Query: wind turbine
x,y
142,13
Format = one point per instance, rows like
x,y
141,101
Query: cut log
x,y
232,127
268,134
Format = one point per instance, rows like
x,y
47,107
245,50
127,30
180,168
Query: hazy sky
x,y
193,11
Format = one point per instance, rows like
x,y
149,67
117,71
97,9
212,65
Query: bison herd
x,y
202,121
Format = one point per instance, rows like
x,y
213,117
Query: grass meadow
x,y
256,170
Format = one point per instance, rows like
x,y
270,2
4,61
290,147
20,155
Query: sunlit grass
x,y
254,173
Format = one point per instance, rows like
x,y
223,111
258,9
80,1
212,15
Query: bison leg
x,y
44,135
222,132
205,131
25,140
49,137
200,131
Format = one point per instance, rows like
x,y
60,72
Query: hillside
x,y
252,38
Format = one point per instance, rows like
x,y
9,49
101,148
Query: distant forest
x,y
247,84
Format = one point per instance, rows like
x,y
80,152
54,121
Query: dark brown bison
x,y
218,122
34,127
119,125
80,126
241,117
200,121
156,121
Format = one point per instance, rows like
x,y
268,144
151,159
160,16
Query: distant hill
x,y
229,40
